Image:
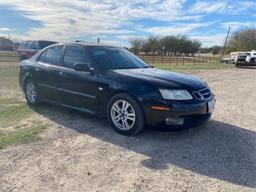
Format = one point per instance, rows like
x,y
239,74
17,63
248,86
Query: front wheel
x,y
31,93
125,114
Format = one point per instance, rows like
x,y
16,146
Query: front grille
x,y
202,94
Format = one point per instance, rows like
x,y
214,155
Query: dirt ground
x,y
82,153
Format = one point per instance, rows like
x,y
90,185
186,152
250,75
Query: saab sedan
x,y
111,81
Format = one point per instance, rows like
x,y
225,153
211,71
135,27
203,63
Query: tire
x,y
125,114
31,93
252,61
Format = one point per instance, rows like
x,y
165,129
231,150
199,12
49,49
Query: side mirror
x,y
83,67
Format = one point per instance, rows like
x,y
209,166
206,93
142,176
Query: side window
x,y
53,55
74,55
42,57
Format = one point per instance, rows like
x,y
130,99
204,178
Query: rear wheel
x,y
125,114
31,93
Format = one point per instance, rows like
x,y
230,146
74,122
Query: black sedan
x,y
110,80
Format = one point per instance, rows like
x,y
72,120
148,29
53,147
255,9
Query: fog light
x,y
174,121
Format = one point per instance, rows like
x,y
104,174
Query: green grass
x,y
181,67
9,71
22,136
16,124
9,76
12,113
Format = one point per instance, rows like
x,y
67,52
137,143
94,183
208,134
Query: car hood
x,y
163,78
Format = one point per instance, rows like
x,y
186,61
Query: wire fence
x,y
178,60
8,56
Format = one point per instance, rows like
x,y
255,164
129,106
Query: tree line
x,y
168,45
242,40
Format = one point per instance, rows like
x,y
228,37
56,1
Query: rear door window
x,y
75,55
52,55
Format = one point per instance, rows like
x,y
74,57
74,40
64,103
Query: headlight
x,y
175,94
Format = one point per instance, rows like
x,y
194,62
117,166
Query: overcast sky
x,y
117,21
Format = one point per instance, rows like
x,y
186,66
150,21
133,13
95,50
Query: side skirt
x,y
69,106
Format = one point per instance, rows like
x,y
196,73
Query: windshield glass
x,y
115,58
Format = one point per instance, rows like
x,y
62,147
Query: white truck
x,y
251,57
236,55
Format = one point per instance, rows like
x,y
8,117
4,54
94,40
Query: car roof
x,y
86,44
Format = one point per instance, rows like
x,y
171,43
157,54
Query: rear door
x,y
78,89
48,68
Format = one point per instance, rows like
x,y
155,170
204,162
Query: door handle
x,y
62,74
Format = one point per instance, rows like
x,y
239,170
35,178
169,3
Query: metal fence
x,y
10,56
178,60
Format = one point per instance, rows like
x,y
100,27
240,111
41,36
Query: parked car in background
x,y
109,80
29,48
234,57
248,59
251,58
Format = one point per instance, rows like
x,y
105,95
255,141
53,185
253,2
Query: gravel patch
x,y
82,153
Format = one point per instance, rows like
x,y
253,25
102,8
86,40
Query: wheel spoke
x,y
125,124
131,118
130,115
125,105
116,108
118,118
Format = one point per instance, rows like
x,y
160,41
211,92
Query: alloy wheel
x,y
123,115
31,92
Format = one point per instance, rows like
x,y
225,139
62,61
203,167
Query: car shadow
x,y
215,149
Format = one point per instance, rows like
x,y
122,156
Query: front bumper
x,y
181,113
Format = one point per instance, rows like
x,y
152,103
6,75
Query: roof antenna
x,y
77,41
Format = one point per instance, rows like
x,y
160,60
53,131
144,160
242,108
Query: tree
x,y
153,43
243,40
136,45
176,45
215,49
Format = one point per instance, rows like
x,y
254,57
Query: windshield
x,y
116,58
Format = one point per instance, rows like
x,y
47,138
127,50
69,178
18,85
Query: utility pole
x,y
226,40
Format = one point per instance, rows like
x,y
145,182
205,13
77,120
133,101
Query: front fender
x,y
24,75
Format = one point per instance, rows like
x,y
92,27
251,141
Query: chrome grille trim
x,y
202,94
